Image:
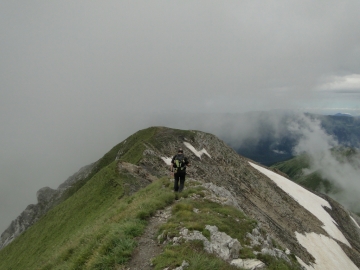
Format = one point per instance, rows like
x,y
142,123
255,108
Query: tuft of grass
x,y
273,263
247,253
224,217
193,253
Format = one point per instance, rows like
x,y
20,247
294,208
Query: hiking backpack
x,y
179,163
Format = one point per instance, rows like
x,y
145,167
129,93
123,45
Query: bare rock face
x,y
19,225
221,195
45,195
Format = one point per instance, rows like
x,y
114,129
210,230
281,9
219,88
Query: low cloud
x,y
342,172
348,82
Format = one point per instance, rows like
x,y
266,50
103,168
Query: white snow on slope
x,y
326,251
308,200
167,160
355,222
197,153
302,263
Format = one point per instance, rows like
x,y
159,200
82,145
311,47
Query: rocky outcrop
x,y
220,244
264,242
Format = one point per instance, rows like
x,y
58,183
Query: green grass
x,y
273,263
93,229
134,146
107,159
313,181
226,218
294,166
193,253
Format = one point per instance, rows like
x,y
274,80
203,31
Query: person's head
x,y
180,151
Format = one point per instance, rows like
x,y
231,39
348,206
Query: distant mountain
x,y
233,214
275,142
294,169
343,115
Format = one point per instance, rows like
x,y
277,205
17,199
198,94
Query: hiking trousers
x,y
179,178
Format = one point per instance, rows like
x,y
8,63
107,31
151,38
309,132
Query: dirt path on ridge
x,y
148,246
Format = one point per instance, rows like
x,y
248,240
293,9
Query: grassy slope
x,y
131,148
294,169
80,221
94,229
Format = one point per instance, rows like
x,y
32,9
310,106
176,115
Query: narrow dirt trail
x,y
148,246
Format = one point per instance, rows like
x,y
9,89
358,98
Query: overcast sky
x,y
77,77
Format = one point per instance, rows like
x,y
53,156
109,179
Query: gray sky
x,y
77,77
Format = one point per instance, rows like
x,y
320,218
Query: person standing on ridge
x,y
178,166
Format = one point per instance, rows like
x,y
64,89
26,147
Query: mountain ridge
x,y
258,196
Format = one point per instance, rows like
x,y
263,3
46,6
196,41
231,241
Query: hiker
x,y
178,166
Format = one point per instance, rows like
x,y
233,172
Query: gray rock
x,y
275,253
251,264
184,265
220,243
221,195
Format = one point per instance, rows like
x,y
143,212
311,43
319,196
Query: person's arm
x,y
187,162
172,165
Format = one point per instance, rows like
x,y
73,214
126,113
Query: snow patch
x,y
355,222
327,253
197,153
303,264
167,160
308,200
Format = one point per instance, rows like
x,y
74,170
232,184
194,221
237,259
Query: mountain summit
x,y
233,214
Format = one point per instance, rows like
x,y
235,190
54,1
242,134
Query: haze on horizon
x,y
76,78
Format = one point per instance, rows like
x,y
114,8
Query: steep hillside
x,y
294,169
49,198
299,170
233,214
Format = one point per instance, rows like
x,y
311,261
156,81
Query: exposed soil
x,y
148,246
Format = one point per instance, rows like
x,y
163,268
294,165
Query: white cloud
x,y
318,144
348,82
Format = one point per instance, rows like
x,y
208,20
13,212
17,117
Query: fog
x,y
343,173
78,77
